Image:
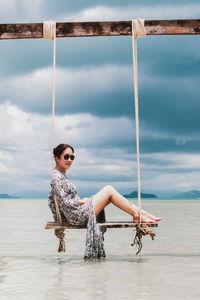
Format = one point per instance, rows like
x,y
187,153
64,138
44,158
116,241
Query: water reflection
x,y
76,278
95,281
144,288
56,291
3,264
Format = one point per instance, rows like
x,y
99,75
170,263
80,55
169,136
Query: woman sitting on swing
x,y
79,211
76,210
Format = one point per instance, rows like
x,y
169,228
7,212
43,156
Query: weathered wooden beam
x,y
56,225
111,28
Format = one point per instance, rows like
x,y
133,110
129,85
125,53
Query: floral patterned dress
x,y
75,213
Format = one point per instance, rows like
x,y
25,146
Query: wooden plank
x,y
109,28
56,225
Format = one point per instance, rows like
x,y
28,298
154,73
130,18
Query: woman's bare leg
x,y
108,194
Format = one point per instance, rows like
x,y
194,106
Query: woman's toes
x,y
159,219
143,220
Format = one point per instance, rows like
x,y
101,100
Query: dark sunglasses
x,y
67,156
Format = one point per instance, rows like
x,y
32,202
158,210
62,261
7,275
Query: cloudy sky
x,y
95,101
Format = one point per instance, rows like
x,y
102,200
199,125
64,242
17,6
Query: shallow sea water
x,y
168,268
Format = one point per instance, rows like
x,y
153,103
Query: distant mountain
x,y
6,196
32,194
143,195
188,195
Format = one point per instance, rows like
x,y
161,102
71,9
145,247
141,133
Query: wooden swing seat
x,y
121,224
141,229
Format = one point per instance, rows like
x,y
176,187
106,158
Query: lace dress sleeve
x,y
65,193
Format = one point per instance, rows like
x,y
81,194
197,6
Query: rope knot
x,y
49,30
140,231
138,29
60,234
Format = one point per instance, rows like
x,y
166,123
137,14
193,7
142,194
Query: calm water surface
x,y
169,267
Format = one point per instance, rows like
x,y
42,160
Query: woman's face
x,y
63,163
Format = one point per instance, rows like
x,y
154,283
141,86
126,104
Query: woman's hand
x,y
83,201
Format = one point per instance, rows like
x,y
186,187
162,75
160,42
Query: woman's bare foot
x,y
144,219
156,219
148,215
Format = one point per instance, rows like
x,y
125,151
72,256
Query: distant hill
x,y
188,195
32,194
143,195
6,196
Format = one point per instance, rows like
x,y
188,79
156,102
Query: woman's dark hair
x,y
57,151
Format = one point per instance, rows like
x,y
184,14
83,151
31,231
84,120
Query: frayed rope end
x,y
60,234
140,231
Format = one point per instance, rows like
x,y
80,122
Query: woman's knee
x,y
109,189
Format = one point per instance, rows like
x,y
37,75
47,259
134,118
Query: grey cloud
x,y
45,9
162,56
50,9
168,106
81,124
172,171
24,56
169,56
83,90
20,57
171,105
96,162
151,145
105,177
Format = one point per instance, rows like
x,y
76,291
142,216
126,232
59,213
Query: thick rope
x,y
138,30
140,231
60,234
49,33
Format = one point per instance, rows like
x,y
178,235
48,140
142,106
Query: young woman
x,y
79,211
